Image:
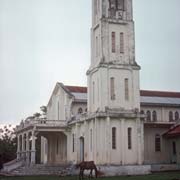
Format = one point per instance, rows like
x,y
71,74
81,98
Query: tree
x,y
8,144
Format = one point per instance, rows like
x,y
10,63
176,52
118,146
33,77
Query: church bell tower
x,y
113,76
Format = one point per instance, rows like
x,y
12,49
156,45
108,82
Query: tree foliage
x,y
8,145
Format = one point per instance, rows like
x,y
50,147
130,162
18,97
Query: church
x,y
123,129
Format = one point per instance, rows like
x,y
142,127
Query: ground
x,y
162,176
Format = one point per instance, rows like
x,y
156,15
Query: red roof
x,y
80,89
77,89
160,94
174,132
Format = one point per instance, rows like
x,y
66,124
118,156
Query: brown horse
x,y
87,165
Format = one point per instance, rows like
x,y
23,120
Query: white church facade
x,y
112,121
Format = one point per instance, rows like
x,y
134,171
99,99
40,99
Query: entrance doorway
x,y
81,149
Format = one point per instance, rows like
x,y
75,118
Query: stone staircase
x,y
60,170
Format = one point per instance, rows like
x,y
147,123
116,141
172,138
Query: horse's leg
x,y
90,174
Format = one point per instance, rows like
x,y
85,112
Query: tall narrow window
x,y
91,139
148,113
73,137
174,148
129,138
176,116
113,37
112,88
121,42
126,82
170,116
113,138
154,116
80,111
93,92
157,143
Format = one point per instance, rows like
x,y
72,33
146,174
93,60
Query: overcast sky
x,y
45,41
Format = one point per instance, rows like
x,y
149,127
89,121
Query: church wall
x,y
162,112
76,106
59,106
151,156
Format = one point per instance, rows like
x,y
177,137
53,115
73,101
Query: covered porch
x,y
42,142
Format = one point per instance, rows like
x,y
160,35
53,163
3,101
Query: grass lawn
x,y
162,176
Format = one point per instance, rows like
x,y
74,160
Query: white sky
x,y
45,41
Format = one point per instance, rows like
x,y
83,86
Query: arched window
x,y
80,111
113,138
176,116
170,116
148,116
142,112
154,116
157,143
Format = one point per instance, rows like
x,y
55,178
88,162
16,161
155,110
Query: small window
x,y
113,138
112,88
154,116
80,111
86,110
176,116
129,138
97,47
148,116
158,143
113,37
170,116
121,42
126,82
142,112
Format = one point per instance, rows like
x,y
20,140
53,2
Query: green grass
x,y
162,176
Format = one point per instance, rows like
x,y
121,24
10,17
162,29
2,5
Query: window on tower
x,y
121,42
126,82
113,37
112,88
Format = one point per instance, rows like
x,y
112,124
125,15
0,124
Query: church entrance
x,y
81,149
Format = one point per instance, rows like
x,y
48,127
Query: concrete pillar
x,y
23,147
18,147
27,149
108,140
123,146
33,150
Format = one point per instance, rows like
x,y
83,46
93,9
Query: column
x,y
123,144
108,140
18,147
33,150
23,147
27,149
